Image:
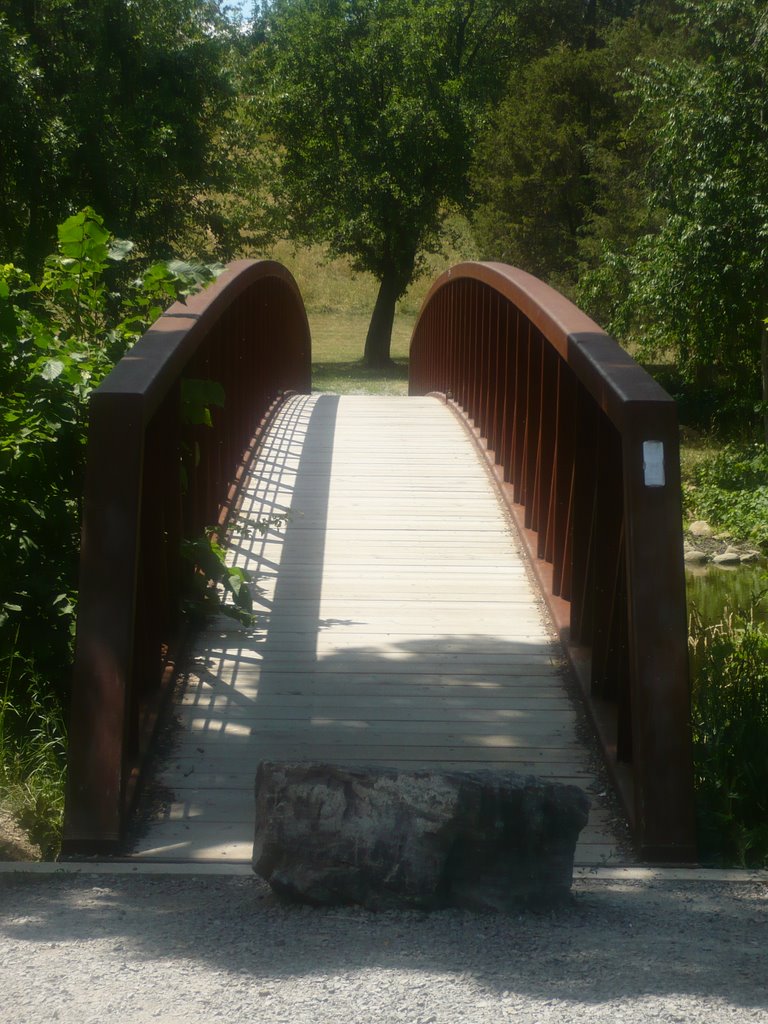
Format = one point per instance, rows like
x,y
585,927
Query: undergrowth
x,y
33,756
730,491
729,713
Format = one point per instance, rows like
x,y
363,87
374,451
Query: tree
x,y
698,286
537,170
372,108
555,175
116,104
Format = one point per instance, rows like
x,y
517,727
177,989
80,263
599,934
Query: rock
x,y
694,557
727,558
700,528
723,536
750,556
388,839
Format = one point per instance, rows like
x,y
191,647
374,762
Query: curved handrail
x,y
584,445
158,358
247,331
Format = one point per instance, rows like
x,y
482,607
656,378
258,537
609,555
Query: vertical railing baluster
x,y
584,513
521,407
487,430
510,414
546,454
563,480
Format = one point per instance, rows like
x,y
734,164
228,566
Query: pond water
x,y
711,589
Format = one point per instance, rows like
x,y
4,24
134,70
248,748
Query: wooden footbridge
x,y
487,573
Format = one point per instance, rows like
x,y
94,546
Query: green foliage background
x,y
59,337
627,166
120,105
730,491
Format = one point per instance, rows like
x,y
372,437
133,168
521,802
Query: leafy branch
x,y
212,586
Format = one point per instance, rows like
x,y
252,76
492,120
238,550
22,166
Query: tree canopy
x,y
628,165
539,172
373,107
556,174
698,285
114,103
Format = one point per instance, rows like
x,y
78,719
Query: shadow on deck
x,y
395,625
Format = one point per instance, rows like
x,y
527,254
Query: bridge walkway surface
x,y
396,624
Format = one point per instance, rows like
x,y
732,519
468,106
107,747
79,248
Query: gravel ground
x,y
135,949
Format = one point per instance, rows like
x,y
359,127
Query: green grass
x,y
695,450
337,345
354,379
32,760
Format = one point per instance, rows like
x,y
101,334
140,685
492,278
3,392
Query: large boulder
x,y
385,839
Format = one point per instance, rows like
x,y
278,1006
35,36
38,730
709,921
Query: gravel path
x,y
134,949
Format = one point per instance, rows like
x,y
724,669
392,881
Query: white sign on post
x,y
653,463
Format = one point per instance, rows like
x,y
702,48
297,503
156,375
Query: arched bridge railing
x,y
584,446
248,334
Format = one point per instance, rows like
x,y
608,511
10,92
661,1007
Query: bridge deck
x,y
396,625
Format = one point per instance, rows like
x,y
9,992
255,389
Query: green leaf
x,y
120,249
220,554
52,368
180,268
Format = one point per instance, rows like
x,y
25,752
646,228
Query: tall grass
x,y
729,714
730,490
32,755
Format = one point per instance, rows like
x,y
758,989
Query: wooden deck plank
x,y
434,711
395,624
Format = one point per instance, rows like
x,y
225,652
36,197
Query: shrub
x,y
59,337
731,491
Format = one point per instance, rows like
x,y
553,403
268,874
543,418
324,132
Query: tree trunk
x,y
379,337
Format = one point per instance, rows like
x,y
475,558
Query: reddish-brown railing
x,y
584,446
248,332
